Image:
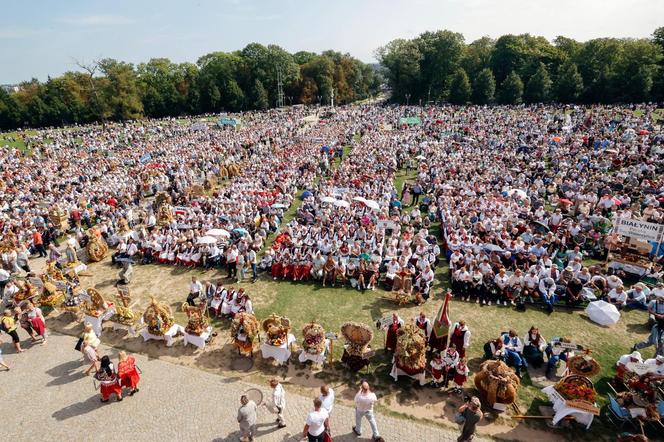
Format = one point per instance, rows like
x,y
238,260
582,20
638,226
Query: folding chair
x,y
618,415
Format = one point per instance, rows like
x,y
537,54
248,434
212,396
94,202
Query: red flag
x,y
442,323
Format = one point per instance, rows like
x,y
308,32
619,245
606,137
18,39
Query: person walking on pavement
x,y
469,415
364,403
246,417
38,242
316,423
327,399
9,326
279,401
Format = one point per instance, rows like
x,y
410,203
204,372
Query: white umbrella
x,y
328,199
603,313
372,204
420,157
521,193
358,198
206,240
341,203
218,232
278,206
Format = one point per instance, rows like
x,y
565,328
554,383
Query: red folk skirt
x,y
130,379
460,379
38,326
111,388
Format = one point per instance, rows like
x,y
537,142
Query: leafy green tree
x,y
538,89
10,114
484,87
120,90
402,60
511,90
460,90
477,56
635,70
441,52
658,83
261,99
569,84
510,54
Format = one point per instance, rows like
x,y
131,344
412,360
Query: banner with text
x,y
635,228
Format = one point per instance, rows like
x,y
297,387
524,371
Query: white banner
x,y
639,229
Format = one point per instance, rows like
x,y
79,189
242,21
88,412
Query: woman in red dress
x,y
128,372
108,379
277,266
391,339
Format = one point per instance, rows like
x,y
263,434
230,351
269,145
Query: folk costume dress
x,y
128,373
109,384
391,340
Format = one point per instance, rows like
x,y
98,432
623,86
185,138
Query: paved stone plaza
x,y
45,396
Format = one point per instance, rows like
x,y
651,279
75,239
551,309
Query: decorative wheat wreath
x,y
96,248
497,383
358,336
96,306
277,328
158,317
245,324
410,354
198,322
576,387
314,338
583,365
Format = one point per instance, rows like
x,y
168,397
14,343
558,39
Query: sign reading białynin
x,y
635,228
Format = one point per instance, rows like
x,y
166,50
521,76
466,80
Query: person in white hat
x,y
658,362
624,361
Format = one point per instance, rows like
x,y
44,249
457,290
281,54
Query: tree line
x,y
220,81
513,69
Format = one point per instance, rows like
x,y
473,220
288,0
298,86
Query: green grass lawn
x,y
13,140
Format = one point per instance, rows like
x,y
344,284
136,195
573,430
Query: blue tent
x,y
305,194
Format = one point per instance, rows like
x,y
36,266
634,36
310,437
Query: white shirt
x,y
365,401
279,396
653,361
328,401
195,287
316,421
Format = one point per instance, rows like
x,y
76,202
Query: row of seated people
x,y
518,354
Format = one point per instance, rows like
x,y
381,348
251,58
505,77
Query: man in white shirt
x,y
327,398
618,297
195,290
279,401
316,423
364,402
231,262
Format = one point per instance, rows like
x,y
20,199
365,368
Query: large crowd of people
x,y
522,196
515,200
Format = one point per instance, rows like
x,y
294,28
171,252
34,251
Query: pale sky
x,y
39,38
